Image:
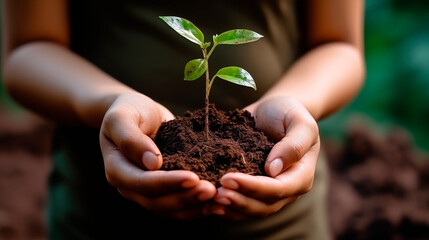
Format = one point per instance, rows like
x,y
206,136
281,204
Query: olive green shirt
x,y
127,40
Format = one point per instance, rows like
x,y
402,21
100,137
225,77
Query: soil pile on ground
x,y
379,187
24,167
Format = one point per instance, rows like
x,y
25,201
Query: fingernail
x,y
204,196
276,166
231,184
224,201
150,160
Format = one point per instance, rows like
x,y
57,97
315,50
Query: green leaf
x,y
236,75
236,36
195,68
185,28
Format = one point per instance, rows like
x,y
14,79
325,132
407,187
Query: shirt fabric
x,y
127,40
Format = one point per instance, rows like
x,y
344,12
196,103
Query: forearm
x,y
51,80
324,80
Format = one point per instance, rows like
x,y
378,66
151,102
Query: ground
x,y
24,167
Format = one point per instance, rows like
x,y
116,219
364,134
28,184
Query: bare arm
x,y
59,84
326,78
332,72
42,74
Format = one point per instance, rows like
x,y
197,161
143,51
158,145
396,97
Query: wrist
x,y
92,111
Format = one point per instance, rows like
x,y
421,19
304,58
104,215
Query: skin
x,y
68,89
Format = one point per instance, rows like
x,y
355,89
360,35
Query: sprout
x,y
195,68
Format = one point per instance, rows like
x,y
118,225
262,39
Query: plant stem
x,y
206,102
211,51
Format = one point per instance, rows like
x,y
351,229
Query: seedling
x,y
195,68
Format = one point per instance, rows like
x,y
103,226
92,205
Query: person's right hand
x,y
132,160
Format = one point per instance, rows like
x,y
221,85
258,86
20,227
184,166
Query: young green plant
x,y
195,68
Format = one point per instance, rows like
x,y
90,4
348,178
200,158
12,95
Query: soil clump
x,y
234,145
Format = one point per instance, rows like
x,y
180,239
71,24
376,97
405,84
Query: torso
x,y
127,40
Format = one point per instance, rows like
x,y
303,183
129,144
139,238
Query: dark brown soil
x,y
379,186
234,145
24,166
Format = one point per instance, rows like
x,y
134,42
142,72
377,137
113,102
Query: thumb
x,y
290,149
128,136
151,157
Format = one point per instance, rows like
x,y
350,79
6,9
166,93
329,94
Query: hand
x,y
291,163
132,160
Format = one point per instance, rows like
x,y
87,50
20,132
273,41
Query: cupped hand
x,y
290,166
132,160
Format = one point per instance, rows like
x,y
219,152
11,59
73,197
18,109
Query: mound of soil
x,y
24,167
379,186
234,145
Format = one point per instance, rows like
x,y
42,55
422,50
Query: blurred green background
x,y
396,91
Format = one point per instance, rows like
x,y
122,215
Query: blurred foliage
x,y
396,91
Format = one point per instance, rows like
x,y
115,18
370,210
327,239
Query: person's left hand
x,y
290,166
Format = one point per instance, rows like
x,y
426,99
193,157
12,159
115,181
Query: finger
x,y
269,119
295,181
301,136
175,202
123,174
166,114
226,213
238,204
126,133
190,199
